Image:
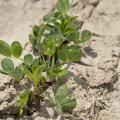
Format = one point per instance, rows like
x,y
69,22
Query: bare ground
x,y
96,84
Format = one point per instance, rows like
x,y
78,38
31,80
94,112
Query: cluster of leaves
x,y
56,42
8,68
63,99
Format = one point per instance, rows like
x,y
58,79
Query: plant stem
x,y
17,58
53,62
44,60
36,89
21,59
39,44
48,65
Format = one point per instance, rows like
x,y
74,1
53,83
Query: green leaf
x,y
35,64
73,36
33,41
47,18
38,70
19,74
69,102
7,65
16,49
57,36
61,92
49,46
36,30
62,73
63,6
64,99
85,35
28,59
41,31
22,100
36,36
71,53
4,72
37,74
27,72
5,49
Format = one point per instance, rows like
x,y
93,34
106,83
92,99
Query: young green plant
x,y
56,42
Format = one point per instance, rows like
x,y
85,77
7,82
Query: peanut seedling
x,y
56,42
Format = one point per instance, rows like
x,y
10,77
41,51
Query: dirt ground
x,y
96,83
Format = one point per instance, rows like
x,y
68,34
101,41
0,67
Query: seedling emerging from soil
x,y
63,99
22,100
55,42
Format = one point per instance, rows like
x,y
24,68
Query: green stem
x,y
53,63
18,58
36,89
44,60
48,60
21,59
39,44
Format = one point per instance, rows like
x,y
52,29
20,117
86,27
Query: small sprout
x,y
34,76
55,42
22,100
63,99
37,75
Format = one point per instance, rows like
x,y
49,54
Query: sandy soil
x,y
95,85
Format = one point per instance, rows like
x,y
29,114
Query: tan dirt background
x,y
96,84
